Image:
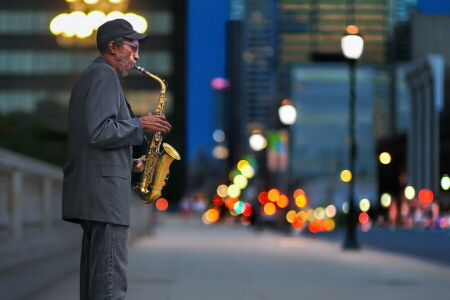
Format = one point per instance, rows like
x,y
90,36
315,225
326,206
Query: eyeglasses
x,y
133,46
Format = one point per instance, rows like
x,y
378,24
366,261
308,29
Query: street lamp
x,y
287,112
352,44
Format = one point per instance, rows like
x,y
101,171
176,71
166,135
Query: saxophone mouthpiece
x,y
140,69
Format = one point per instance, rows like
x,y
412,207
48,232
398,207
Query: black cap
x,y
117,28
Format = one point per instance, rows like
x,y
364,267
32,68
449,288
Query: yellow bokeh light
x,y
240,181
222,190
234,191
386,200
445,182
364,205
269,208
242,164
114,15
319,213
346,176
115,1
57,25
139,23
90,1
301,201
96,18
248,171
310,215
410,192
385,158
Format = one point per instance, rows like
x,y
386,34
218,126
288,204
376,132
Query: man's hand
x,y
155,123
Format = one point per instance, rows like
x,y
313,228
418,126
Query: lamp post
x,y
288,115
352,44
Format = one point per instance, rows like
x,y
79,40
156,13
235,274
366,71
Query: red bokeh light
x,y
162,204
426,196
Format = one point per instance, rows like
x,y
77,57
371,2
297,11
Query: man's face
x,y
126,57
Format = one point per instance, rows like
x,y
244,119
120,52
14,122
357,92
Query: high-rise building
x,y
311,29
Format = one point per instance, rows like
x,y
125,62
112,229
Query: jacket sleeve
x,y
104,128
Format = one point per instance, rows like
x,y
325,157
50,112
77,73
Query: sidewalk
x,y
187,260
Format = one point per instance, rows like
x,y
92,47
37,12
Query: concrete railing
x,y
30,210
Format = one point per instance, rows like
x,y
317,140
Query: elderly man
x,y
102,131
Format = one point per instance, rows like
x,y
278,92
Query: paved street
x,y
187,260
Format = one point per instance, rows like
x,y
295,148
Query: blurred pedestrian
x,y
102,131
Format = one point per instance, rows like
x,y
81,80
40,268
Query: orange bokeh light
x,y
269,208
352,29
273,195
299,192
229,202
315,226
283,201
291,215
162,204
212,215
297,224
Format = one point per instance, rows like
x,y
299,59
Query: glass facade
x,y
312,28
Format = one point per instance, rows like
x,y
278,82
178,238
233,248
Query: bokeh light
x,y
269,209
222,190
386,200
234,191
301,201
445,182
282,201
273,195
291,215
263,198
346,176
385,158
330,211
240,181
410,192
345,207
425,196
319,213
162,204
364,204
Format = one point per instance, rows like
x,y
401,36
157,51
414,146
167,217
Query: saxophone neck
x,y
161,82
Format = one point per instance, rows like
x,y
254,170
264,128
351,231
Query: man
x,y
96,188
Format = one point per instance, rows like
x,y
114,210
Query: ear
x,y
112,48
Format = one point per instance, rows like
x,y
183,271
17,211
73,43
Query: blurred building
x,y
311,29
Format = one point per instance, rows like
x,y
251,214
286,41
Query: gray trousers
x,y
104,258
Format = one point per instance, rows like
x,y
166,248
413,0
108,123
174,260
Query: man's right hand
x,y
155,123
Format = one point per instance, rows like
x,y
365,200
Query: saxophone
x,y
155,164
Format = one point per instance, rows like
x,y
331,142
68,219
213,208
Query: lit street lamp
x,y
287,112
352,44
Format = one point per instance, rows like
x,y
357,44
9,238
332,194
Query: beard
x,y
124,65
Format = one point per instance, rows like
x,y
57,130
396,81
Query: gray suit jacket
x,y
101,135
